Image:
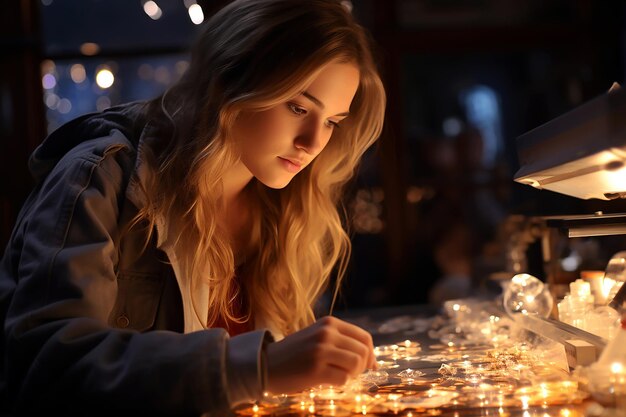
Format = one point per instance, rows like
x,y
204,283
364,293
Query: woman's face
x,y
277,143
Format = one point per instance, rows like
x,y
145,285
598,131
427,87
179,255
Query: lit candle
x,y
596,284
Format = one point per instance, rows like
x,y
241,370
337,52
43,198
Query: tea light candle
x,y
595,280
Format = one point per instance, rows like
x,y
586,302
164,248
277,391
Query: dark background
x,y
433,200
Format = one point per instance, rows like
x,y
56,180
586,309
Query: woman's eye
x,y
295,109
332,124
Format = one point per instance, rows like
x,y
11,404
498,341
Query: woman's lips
x,y
291,165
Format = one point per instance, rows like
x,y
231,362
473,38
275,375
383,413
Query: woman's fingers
x,y
352,331
364,345
336,376
357,349
333,358
327,352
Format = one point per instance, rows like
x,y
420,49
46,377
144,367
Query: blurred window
x,y
102,53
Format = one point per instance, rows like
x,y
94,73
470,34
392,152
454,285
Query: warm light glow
x,y
468,370
152,9
615,180
162,75
195,14
89,48
414,194
617,368
607,286
48,66
105,78
524,399
255,408
77,73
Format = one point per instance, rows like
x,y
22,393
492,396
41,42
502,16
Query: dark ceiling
x,y
117,26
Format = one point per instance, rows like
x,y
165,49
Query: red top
x,y
239,305
234,328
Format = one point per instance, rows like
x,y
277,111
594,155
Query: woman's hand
x,y
330,351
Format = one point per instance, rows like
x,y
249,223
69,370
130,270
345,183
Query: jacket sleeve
x,y
60,354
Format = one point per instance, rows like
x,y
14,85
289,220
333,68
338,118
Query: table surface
x,y
454,378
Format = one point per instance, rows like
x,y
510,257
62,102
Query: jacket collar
x,y
135,192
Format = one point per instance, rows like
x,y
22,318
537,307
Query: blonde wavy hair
x,y
251,56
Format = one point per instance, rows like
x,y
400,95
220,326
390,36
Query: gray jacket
x,y
91,323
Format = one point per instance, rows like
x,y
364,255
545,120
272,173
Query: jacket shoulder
x,y
90,137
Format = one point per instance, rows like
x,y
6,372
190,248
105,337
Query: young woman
x,y
156,229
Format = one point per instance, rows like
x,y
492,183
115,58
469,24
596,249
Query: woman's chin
x,y
276,183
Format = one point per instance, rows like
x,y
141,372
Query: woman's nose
x,y
313,139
